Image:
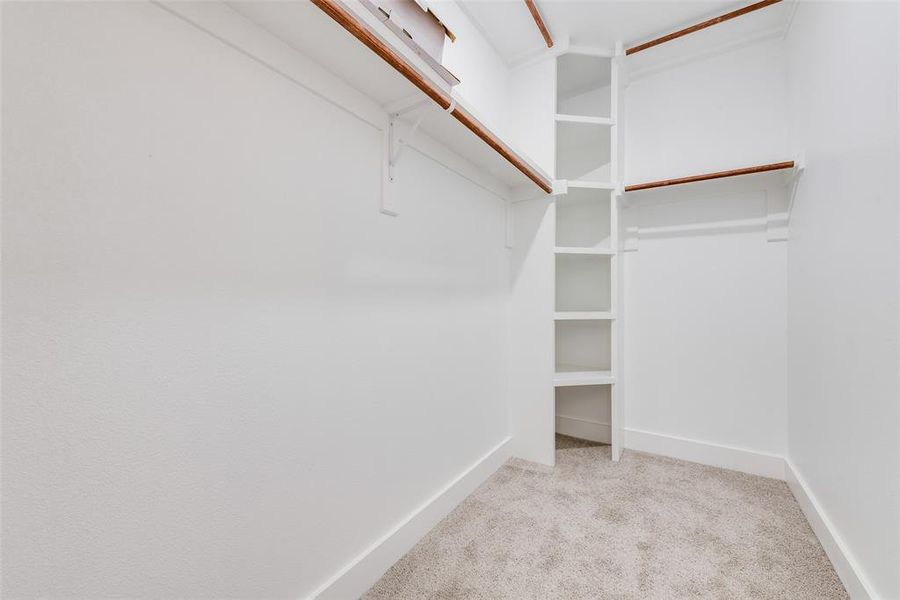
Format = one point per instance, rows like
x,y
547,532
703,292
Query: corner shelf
x,y
583,315
580,250
583,282
588,184
572,375
563,118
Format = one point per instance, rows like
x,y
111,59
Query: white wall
x,y
532,129
225,373
484,80
718,112
705,292
843,273
531,301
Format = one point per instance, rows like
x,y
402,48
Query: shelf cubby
x,y
583,346
583,221
584,412
583,85
583,151
583,282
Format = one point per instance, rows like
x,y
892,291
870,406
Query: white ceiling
x,y
508,25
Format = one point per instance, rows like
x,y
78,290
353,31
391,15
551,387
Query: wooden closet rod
x,y
539,21
703,25
360,31
718,175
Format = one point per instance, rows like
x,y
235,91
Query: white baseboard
x,y
363,571
716,455
585,429
844,564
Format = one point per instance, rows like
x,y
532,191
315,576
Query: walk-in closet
x,y
450,299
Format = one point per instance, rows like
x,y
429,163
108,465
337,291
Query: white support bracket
x,y
388,191
394,144
391,151
397,143
794,180
776,215
560,187
779,203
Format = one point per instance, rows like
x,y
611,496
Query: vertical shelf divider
x,y
617,408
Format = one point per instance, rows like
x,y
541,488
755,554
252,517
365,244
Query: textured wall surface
x,y
844,276
218,355
705,292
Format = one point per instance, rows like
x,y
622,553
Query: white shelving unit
x,y
588,147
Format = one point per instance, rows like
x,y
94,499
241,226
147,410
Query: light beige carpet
x,y
647,527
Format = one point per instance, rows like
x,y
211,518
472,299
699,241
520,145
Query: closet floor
x,y
647,527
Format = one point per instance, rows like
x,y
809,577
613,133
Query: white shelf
x,y
594,185
583,315
572,375
584,119
303,26
573,250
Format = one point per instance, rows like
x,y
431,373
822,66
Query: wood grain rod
x,y
708,23
360,31
706,176
539,21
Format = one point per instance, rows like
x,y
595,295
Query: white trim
x,y
706,453
585,429
847,568
358,575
